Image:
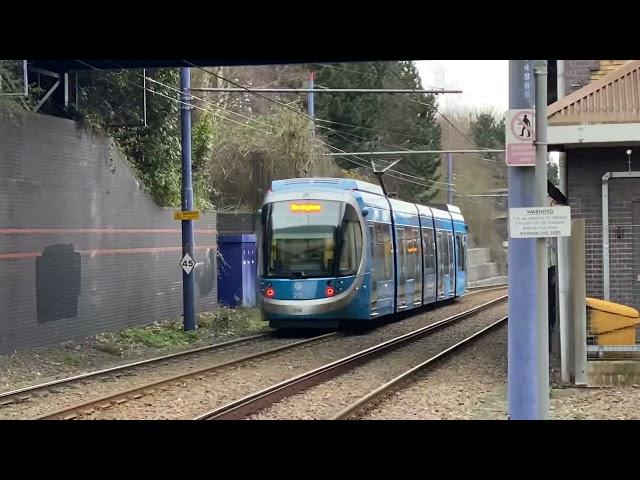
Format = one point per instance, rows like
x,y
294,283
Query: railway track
x,y
23,394
71,411
75,409
26,393
266,397
369,399
488,288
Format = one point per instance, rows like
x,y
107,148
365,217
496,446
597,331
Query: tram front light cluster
x,y
330,291
269,292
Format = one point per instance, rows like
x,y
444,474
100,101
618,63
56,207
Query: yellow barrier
x,y
613,324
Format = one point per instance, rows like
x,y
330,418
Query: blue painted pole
x,y
311,108
527,396
188,281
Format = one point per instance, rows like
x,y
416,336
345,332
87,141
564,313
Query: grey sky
x,y
484,82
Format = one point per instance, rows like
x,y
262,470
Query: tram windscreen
x,y
305,239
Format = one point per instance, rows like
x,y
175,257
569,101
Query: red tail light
x,y
269,292
330,292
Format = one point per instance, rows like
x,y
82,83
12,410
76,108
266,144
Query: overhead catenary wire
x,y
364,165
188,104
424,104
325,90
433,182
461,133
195,106
265,97
249,126
194,96
473,142
437,111
299,113
374,129
360,137
420,152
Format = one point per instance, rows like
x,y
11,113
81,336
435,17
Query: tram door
x,y
440,260
381,250
429,253
450,266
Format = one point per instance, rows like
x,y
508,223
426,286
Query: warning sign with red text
x,y
520,134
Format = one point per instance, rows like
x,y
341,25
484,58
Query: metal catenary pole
x,y
188,280
450,178
311,100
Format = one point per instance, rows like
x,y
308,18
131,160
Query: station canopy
x,y
604,113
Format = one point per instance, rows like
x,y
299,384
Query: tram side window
x,y
429,251
417,259
383,251
372,245
413,249
440,260
351,250
407,254
450,253
379,251
445,252
439,251
464,245
461,253
375,261
402,257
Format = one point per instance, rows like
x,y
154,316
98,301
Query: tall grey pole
x,y
542,291
564,256
578,307
527,351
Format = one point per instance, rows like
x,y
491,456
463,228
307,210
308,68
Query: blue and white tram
x,y
334,250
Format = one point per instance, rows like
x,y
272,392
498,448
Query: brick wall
x,y
577,73
83,249
584,176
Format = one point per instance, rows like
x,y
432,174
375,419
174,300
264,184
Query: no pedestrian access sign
x,y
520,134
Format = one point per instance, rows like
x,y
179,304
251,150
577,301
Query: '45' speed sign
x,y
187,263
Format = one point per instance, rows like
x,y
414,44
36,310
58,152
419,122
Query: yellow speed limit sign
x,y
186,215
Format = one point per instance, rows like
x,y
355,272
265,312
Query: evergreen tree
x,y
345,109
487,131
382,121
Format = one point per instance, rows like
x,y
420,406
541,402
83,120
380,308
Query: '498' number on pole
x,y
187,263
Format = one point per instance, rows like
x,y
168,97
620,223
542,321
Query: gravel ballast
x,y
195,395
325,400
33,404
472,384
